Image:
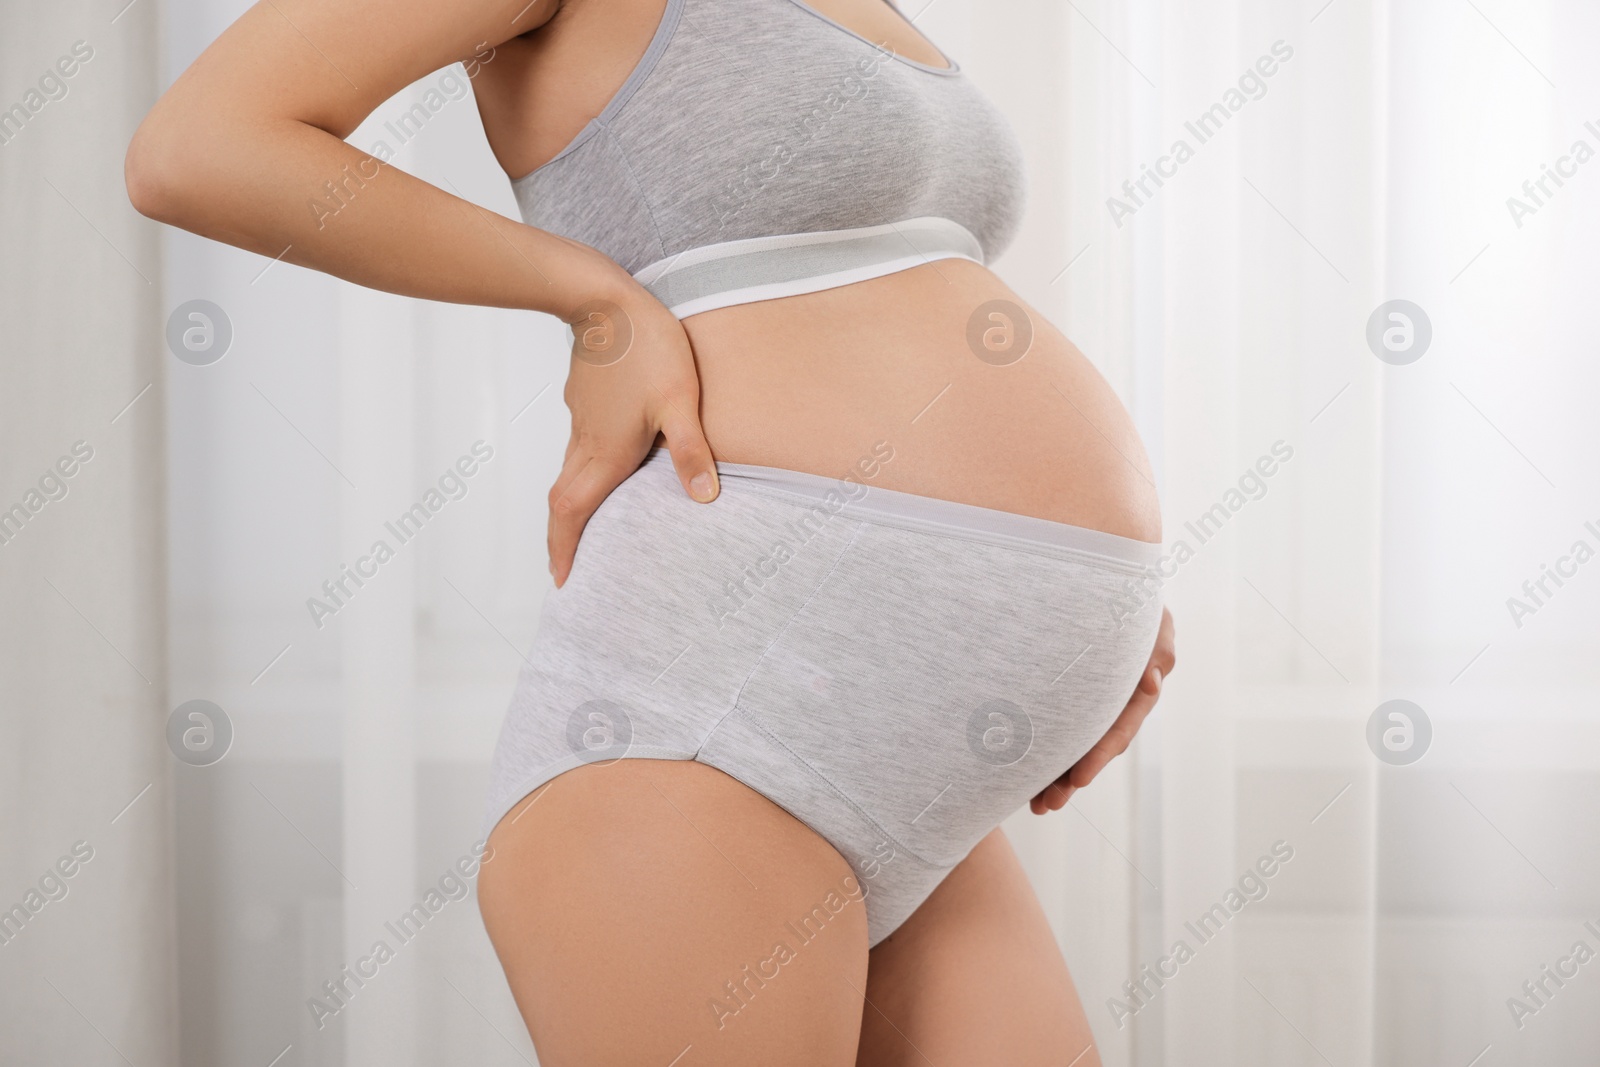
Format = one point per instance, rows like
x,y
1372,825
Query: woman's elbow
x,y
153,171
162,169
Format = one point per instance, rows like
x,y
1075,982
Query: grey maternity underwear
x,y
760,149
899,673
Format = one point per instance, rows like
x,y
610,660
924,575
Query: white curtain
x,y
1231,308
87,925
1225,331
1405,906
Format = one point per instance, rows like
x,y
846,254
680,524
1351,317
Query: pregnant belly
x,y
976,397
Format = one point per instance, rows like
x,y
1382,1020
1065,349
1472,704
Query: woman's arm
x,y
250,140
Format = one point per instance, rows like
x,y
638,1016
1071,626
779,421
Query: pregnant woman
x,y
745,803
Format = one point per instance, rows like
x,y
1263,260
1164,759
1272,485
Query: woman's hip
x,y
890,645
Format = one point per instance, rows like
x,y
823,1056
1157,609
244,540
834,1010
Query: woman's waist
x,y
978,398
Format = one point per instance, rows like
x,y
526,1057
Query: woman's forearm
x,y
281,187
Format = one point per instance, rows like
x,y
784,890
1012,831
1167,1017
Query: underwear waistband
x,y
948,518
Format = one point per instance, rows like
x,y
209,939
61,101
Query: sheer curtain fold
x,y
87,924
1271,257
1219,170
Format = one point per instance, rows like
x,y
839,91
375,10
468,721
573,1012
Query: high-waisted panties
x,y
898,672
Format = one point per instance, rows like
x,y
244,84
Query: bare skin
x,y
972,952
622,898
619,934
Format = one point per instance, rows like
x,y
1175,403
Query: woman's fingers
x,y
588,477
1054,797
691,454
632,382
584,484
1165,654
1117,739
1120,736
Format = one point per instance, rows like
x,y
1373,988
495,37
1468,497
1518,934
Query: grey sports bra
x,y
759,149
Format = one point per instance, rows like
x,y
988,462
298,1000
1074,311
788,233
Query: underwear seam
x,y
783,630
554,769
638,189
749,717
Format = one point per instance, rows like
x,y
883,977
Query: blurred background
x,y
179,478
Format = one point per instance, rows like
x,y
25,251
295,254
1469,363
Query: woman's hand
x,y
632,378
1117,739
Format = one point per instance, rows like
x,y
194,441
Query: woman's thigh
x,y
646,909
975,977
